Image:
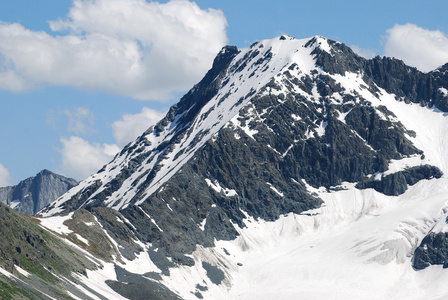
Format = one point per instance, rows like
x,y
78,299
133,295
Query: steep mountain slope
x,y
35,264
34,193
291,161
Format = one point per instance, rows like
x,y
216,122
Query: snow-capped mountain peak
x,y
162,150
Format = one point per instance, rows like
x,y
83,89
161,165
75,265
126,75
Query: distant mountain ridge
x,y
34,193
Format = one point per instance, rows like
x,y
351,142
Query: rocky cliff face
x,y
273,130
34,193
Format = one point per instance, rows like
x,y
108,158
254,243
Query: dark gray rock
x,y
433,250
391,74
213,273
341,58
135,286
408,83
36,192
397,183
85,224
139,291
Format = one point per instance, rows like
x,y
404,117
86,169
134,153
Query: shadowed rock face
x,y
390,74
34,193
432,251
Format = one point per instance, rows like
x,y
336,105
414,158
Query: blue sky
x,y
79,79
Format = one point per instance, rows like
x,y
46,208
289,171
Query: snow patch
x,y
56,223
154,222
80,238
22,271
296,117
142,264
202,225
96,281
321,129
217,187
275,190
14,203
405,163
6,273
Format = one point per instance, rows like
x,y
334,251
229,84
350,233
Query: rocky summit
x,y
293,168
34,193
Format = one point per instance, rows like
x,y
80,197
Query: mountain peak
x,y
280,67
45,172
320,42
34,193
236,76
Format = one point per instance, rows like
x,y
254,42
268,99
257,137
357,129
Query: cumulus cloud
x,y
79,158
5,178
145,50
11,81
132,125
422,48
79,119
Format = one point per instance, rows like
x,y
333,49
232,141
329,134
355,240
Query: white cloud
x,y
416,46
11,81
132,125
81,158
145,50
5,178
79,119
364,52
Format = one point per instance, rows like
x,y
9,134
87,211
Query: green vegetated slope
x,y
24,245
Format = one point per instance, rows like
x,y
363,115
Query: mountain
x,y
294,168
34,193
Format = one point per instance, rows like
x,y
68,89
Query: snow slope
x,y
359,245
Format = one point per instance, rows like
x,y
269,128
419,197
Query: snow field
x,y
359,245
